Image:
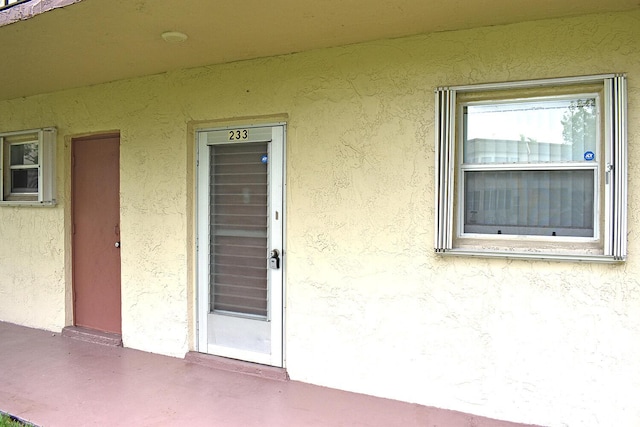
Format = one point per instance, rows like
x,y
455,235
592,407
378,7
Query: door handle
x,y
117,245
274,260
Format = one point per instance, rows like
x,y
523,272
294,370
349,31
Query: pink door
x,y
96,232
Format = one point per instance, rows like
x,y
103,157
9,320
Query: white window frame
x,y
45,138
609,243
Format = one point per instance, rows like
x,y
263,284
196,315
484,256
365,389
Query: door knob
x,y
117,245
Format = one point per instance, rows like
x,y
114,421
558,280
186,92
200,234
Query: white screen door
x,y
240,243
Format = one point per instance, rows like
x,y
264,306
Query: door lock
x,y
274,260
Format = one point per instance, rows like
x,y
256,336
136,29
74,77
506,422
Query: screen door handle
x,y
274,260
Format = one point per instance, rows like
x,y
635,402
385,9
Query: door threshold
x,y
238,366
92,336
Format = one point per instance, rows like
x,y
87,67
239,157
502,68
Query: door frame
x,y
277,356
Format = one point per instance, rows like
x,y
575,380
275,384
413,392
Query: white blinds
x,y
238,228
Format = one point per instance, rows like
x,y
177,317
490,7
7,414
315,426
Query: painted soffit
x,y
51,45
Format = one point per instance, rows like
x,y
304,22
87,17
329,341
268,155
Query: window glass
x,y
24,154
536,202
24,180
531,131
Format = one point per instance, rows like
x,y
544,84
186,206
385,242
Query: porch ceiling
x,y
94,41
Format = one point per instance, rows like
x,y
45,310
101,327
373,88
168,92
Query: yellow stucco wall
x,y
370,308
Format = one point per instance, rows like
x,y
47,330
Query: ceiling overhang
x,y
51,45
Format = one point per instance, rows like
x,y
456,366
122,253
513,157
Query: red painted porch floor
x,y
52,380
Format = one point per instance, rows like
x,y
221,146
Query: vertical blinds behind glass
x,y
537,202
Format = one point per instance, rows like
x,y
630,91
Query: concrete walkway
x,y
53,381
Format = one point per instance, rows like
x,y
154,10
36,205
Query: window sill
x,y
542,256
28,203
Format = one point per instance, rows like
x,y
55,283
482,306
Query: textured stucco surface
x,y
370,308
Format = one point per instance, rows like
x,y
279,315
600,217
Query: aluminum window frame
x,y
11,188
463,167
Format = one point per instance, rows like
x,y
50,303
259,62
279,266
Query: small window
x,y
28,167
533,169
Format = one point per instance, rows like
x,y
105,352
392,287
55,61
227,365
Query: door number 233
x,y
238,135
